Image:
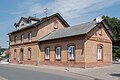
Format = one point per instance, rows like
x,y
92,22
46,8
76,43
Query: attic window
x,y
22,24
100,31
56,24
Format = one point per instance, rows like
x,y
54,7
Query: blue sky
x,y
73,11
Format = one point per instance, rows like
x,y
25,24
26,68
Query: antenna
x,y
35,14
98,19
46,10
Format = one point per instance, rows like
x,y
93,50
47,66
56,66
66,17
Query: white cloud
x,y
70,9
76,8
74,11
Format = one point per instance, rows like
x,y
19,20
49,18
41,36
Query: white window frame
x,y
47,53
56,24
30,37
71,52
22,38
99,53
58,52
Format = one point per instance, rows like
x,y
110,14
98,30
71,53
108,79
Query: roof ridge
x,y
84,23
71,31
42,20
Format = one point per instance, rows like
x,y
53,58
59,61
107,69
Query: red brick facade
x,y
85,47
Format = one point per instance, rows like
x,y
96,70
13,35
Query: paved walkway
x,y
104,73
3,62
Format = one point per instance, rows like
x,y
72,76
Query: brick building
x,y
51,41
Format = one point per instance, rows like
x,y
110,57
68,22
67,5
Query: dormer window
x,y
22,24
56,24
16,25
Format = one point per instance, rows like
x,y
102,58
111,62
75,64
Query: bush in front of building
x,y
116,54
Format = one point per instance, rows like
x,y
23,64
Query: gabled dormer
x,y
24,22
33,20
54,22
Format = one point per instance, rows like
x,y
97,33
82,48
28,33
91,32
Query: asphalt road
x,y
13,73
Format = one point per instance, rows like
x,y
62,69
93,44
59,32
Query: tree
x,y
115,27
114,24
116,53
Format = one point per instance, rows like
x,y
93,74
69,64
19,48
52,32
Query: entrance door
x,y
21,55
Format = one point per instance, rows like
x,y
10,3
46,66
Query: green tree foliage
x,y
116,53
115,27
114,24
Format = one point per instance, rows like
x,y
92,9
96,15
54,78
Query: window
x,y
99,53
15,39
71,52
30,37
56,24
22,24
100,31
29,53
47,52
22,38
22,54
15,54
58,52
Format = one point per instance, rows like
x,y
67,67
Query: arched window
x,y
15,54
15,39
30,36
56,24
71,52
58,52
47,53
29,53
99,53
22,38
22,54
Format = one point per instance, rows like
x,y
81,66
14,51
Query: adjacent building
x,y
2,50
52,41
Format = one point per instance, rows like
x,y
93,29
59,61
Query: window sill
x,y
47,59
29,59
58,59
99,60
14,58
29,41
71,60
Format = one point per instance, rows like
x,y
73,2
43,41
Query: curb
x,y
2,78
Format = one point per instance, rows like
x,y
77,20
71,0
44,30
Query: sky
x,y
73,11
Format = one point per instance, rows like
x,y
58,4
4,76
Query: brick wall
x,y
92,42
79,52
